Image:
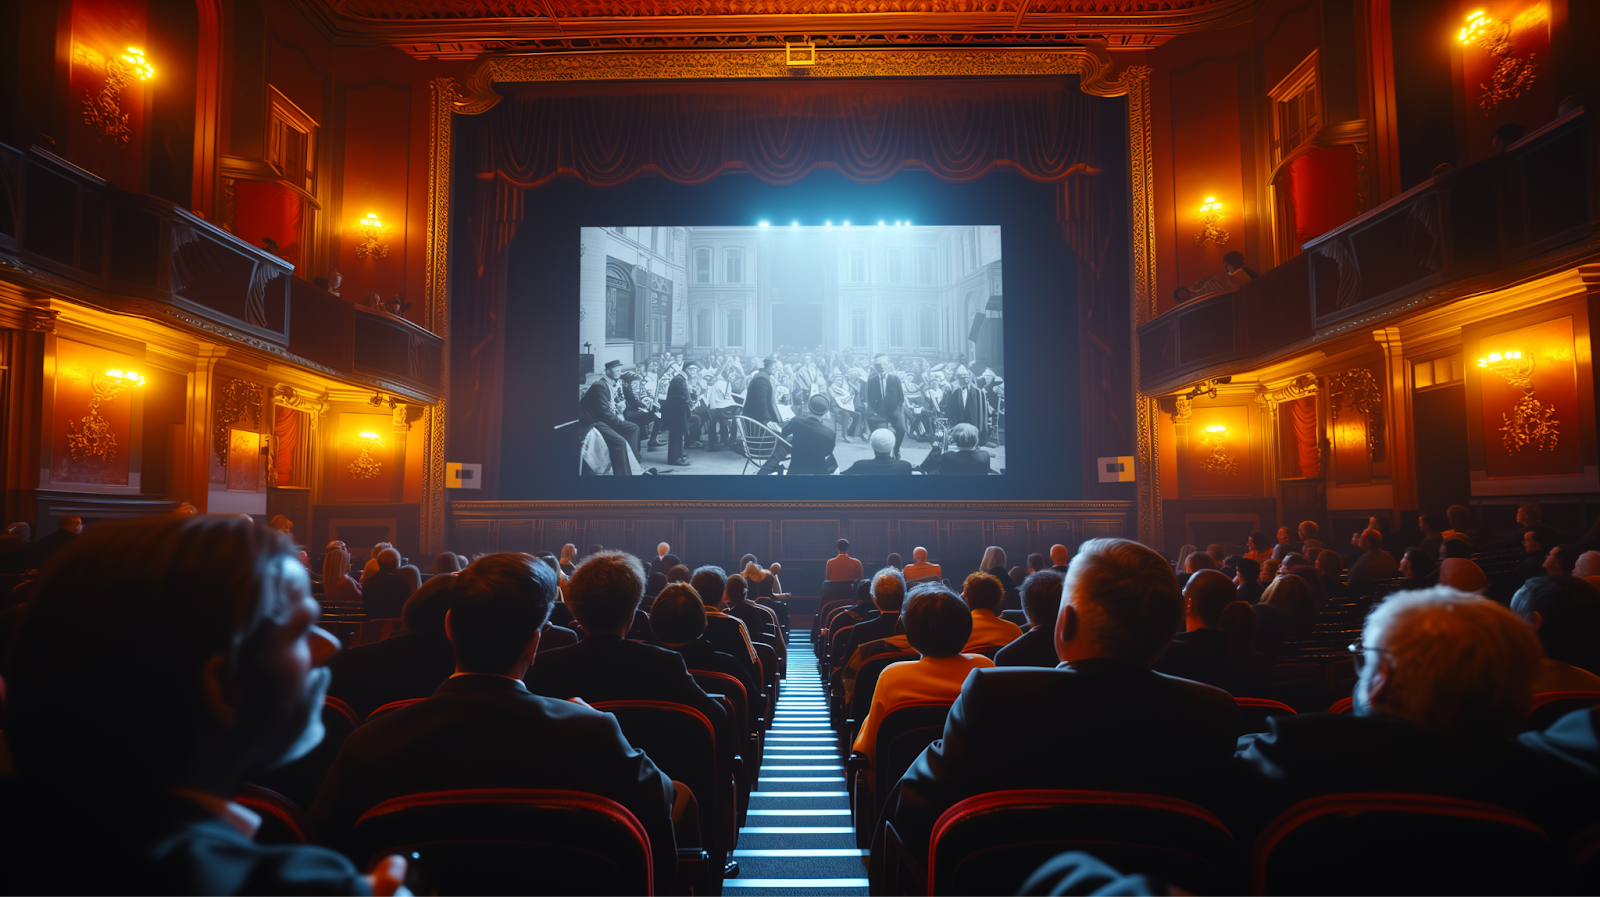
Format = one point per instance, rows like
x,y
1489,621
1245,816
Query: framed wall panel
x,y
556,533
869,541
809,539
1012,537
702,542
516,535
918,533
606,533
753,537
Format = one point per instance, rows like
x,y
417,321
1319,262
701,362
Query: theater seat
x,y
1343,705
866,685
906,729
511,841
990,843
988,651
281,821
392,706
1254,713
1550,706
300,780
1400,844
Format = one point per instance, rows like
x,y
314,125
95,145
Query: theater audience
x,y
219,676
1454,548
1286,612
1060,556
1041,602
919,568
447,562
569,558
937,625
1460,525
679,623
1462,575
1373,564
1035,564
843,568
888,594
1247,582
726,632
1417,568
652,587
483,728
1573,741
660,563
1103,721
384,593
1431,538
679,573
1445,680
983,593
1260,547
1561,561
34,555
338,586
994,564
1565,613
1209,653
760,623
1331,565
408,665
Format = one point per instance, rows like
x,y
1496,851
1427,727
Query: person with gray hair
x,y
966,459
888,595
1445,681
1103,721
883,462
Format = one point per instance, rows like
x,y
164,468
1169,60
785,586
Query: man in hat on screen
x,y
886,399
602,408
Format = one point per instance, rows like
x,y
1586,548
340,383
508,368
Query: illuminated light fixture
x,y
92,436
1478,24
126,376
1496,358
908,224
365,467
762,223
897,224
1218,428
880,224
103,111
135,60
847,222
368,434
827,224
1512,75
794,224
1211,217
372,229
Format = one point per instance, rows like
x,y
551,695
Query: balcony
x,y
67,231
1528,210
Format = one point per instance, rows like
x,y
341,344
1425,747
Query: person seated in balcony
x,y
1233,266
1102,721
1041,603
1565,613
1445,680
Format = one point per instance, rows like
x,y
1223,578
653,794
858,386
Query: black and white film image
x,y
820,350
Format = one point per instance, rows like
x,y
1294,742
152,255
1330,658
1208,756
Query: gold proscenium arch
x,y
1091,63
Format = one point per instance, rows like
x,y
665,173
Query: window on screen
x,y
897,329
702,265
735,327
858,266
702,328
928,329
858,329
924,266
734,271
619,303
896,266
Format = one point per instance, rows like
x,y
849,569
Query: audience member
x,y
994,564
894,560
384,593
1286,612
888,594
1462,575
761,584
1233,265
483,728
1529,516
1035,564
220,676
1561,561
34,555
1285,540
660,564
726,632
1373,564
1417,567
1206,651
983,593
679,623
338,586
1260,546
282,524
937,625
843,568
1431,538
447,562
919,569
653,585
760,623
370,566
409,665
569,558
1460,524
1565,613
1060,556
1445,680
1454,548
1041,602
1331,565
1247,582
1104,721
679,573
1587,567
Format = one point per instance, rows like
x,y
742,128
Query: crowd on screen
x,y
154,670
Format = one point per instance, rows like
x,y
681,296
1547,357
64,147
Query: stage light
x,y
880,224
794,224
762,223
908,224
827,224
366,434
897,224
847,223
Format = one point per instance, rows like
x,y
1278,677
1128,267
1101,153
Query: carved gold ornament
x,y
1211,217
1360,389
365,467
1512,74
236,399
372,229
91,435
103,111
1531,422
1219,461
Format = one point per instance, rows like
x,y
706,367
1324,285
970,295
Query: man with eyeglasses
x,y
1445,681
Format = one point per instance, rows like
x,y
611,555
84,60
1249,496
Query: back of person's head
x,y
982,591
679,573
1308,529
1456,663
20,529
753,573
447,562
1565,611
281,523
497,606
569,552
1455,548
654,583
1041,597
670,560
1239,622
1036,562
1588,564
882,441
1293,559
1463,575
388,560
424,611
1233,259
710,581
1544,537
1259,541
1206,594
919,555
177,600
1126,598
965,436
1217,551
1060,555
379,549
733,591
335,565
1330,563
843,545
678,616
993,556
1249,570
894,561
606,590
746,561
1529,513
888,589
1421,563
1371,540
662,549
937,621
1198,561
1292,595
1460,518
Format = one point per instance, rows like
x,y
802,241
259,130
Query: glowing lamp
x,y
368,434
129,377
136,62
1217,429
372,229
1478,24
1210,205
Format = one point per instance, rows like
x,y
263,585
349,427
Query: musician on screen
x,y
602,408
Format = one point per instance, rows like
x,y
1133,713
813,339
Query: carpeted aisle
x,y
798,839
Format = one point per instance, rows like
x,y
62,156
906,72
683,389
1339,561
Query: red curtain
x,y
1303,421
286,424
1322,184
262,211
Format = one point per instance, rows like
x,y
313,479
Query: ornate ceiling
x,y
469,28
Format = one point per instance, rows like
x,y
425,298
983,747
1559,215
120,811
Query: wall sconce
x,y
373,229
103,111
365,467
1512,74
92,437
1531,422
1211,215
1219,461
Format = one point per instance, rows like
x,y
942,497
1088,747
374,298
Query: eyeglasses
x,y
1359,654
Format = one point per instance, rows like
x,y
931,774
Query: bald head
x,y
1059,556
663,550
919,555
388,560
1371,540
1204,596
1588,564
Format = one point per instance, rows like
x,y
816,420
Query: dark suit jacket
x,y
163,844
702,655
675,410
1200,656
384,595
410,665
1326,753
972,411
881,626
760,403
489,732
1098,725
723,633
878,466
812,442
757,622
968,462
608,668
1572,740
885,399
554,637
596,406
1036,648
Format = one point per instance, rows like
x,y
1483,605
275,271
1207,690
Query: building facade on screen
x,y
909,292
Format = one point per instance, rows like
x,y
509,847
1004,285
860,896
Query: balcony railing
x,y
1473,229
138,254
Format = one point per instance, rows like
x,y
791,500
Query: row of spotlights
x,y
830,223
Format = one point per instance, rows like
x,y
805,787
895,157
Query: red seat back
x,y
392,706
867,682
282,822
682,743
990,843
1550,706
1343,705
714,682
1254,713
511,841
1400,844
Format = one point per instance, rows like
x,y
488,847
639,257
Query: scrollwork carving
x,y
1358,389
235,400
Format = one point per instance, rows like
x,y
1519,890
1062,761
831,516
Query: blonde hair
x,y
1127,598
1460,664
335,566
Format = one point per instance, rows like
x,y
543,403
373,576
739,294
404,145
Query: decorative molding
x,y
1298,388
444,96
91,436
1360,390
41,319
235,399
570,508
287,396
1531,422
